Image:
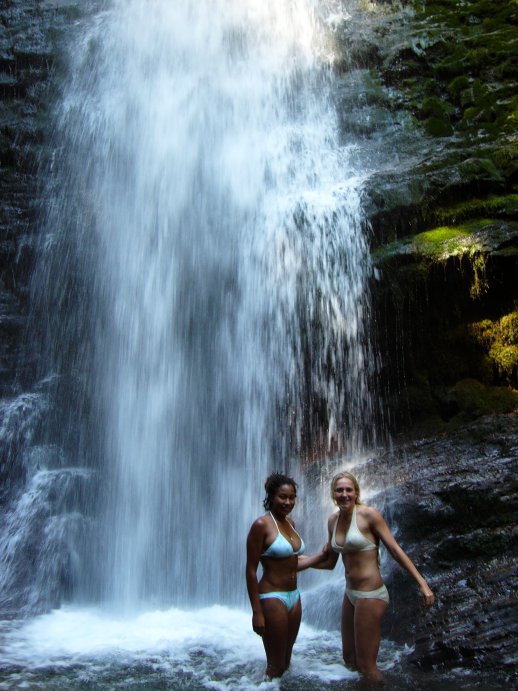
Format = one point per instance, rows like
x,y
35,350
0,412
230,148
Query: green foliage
x,y
499,339
475,398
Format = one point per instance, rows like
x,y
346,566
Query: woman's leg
x,y
348,639
275,638
294,618
368,614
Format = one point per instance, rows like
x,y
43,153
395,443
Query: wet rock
x,y
453,502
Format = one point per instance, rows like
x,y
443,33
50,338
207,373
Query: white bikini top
x,y
355,541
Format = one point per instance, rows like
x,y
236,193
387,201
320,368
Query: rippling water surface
x,y
211,648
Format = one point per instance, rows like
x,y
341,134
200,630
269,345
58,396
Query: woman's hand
x,y
325,551
258,623
427,596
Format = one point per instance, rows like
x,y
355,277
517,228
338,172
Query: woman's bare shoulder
x,y
332,518
368,512
260,524
262,520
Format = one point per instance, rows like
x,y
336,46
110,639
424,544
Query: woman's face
x,y
284,500
344,493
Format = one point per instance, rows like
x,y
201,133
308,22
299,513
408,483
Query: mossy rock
x,y
475,399
493,206
509,328
480,168
505,358
467,49
441,243
438,127
457,86
499,339
474,238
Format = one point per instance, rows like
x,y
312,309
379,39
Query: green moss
x,y
505,357
509,328
437,127
468,50
506,157
482,332
475,399
436,107
446,241
479,285
481,169
499,340
494,206
476,93
457,86
467,240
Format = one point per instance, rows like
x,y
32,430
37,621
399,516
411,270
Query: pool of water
x,y
211,648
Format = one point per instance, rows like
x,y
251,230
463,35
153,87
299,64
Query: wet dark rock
x,y
453,502
444,216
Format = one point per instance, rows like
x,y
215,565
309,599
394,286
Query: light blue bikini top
x,y
281,547
355,541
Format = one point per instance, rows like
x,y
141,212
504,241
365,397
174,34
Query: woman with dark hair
x,y
275,599
355,531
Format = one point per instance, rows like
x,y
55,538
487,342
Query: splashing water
x,y
208,282
203,283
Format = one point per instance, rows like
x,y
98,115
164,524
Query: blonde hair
x,y
346,476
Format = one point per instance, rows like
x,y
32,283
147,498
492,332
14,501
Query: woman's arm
x,y
254,548
305,561
381,530
325,559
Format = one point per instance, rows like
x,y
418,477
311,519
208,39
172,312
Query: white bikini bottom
x,y
380,593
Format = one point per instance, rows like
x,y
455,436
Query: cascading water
x,y
205,278
208,219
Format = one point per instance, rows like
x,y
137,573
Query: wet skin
x,y
271,619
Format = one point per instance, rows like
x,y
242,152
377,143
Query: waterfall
x,y
202,290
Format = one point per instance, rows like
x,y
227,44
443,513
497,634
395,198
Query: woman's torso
x,y
359,549
280,555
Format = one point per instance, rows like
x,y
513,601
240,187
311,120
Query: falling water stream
x,y
207,269
203,298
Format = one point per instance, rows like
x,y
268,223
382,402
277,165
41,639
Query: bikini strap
x,y
276,524
335,525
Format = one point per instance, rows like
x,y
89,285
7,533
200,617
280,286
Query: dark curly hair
x,y
272,484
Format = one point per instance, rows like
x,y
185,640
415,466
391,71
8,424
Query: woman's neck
x,y
347,512
279,519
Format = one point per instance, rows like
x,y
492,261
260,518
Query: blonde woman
x,y
355,531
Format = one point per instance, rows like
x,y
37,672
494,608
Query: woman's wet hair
x,y
347,476
272,484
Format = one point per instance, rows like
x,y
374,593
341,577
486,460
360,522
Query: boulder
x,y
452,502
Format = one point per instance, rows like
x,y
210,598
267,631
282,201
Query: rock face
x,y
454,501
444,217
25,58
30,60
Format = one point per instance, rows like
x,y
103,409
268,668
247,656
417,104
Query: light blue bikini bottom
x,y
290,598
